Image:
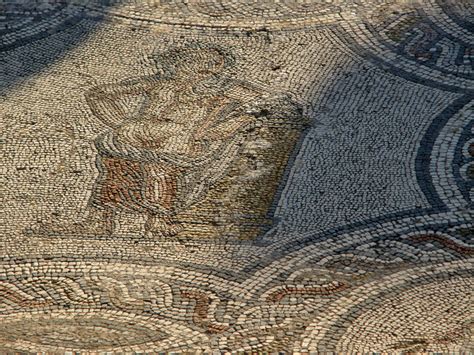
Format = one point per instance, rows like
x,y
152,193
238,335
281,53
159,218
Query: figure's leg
x,y
107,197
106,221
161,190
173,226
162,226
110,222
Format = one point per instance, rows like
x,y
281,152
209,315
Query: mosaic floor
x,y
237,176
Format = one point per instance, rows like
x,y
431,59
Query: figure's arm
x,y
104,100
225,105
228,128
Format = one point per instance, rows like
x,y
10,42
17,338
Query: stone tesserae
x,y
237,176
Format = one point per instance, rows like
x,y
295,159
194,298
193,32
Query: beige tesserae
x,y
237,176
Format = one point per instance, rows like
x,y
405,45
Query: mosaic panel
x,y
237,177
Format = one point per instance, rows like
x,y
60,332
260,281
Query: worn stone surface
x,y
237,176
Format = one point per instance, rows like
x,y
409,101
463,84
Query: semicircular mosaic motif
x,y
237,177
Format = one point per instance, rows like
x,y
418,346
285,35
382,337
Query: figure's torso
x,y
169,123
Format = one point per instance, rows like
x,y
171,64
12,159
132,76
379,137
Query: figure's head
x,y
195,60
203,61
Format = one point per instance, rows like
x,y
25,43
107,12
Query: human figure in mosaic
x,y
169,138
163,157
182,136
